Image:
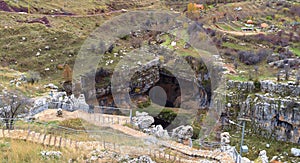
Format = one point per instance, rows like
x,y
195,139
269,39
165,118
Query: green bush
x,y
257,85
167,115
269,17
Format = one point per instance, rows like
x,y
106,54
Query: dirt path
x,y
154,151
238,33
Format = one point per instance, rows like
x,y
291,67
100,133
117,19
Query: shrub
x,y
250,58
167,115
74,123
257,85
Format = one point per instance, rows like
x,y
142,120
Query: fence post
x,y
65,145
44,139
28,134
59,145
50,137
130,115
118,120
76,145
54,141
70,143
104,144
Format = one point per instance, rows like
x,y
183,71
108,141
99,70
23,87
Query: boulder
x,y
182,132
159,132
139,114
51,86
295,152
143,120
225,137
263,156
246,160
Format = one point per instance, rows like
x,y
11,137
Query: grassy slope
x,y
64,38
78,7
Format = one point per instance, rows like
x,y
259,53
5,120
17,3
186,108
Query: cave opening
x,y
171,88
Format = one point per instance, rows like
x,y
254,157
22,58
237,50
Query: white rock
x,y
51,86
263,156
246,160
173,43
295,152
225,137
182,132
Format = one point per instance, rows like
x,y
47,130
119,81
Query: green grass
x,y
296,51
237,77
64,38
236,46
48,7
258,143
226,27
17,151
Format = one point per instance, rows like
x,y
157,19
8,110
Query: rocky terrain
x,y
182,72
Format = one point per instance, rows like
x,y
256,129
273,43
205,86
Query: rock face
x,y
277,116
272,107
295,152
282,89
182,133
143,120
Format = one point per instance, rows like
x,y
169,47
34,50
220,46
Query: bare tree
x,y
11,105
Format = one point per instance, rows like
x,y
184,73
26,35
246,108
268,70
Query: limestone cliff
x,y
273,107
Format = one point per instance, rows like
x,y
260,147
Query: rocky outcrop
x,y
182,133
273,107
265,86
278,116
281,89
159,132
240,86
143,120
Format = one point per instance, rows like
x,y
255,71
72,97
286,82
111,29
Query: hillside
x,y
221,60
